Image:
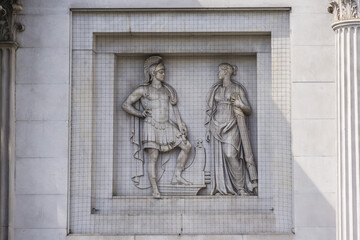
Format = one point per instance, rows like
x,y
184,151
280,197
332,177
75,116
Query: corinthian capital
x,y
8,25
344,9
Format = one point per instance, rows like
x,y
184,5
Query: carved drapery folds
x,y
344,9
8,24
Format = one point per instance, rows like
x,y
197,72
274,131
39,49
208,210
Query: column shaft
x,y
7,122
348,93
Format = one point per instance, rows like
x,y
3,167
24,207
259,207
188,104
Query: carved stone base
x,y
180,190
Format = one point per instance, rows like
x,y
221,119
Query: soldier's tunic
x,y
158,132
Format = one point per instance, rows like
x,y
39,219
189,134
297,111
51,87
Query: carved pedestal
x,y
347,29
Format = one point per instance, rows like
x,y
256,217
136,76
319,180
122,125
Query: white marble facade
x,y
45,65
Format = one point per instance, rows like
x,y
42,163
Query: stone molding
x,y
354,23
8,24
344,9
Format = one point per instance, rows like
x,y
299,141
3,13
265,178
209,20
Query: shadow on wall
x,y
315,197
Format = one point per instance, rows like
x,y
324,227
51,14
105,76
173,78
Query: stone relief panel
x,y
180,127
193,101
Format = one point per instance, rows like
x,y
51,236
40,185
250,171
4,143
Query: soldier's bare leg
x,y
153,157
185,147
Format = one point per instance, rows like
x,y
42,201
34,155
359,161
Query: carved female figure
x,y
158,134
226,129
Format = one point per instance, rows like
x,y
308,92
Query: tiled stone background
x,y
42,79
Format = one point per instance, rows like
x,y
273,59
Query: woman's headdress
x,y
227,66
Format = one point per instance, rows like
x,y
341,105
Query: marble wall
x,y
42,118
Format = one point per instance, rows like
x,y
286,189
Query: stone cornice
x,y
344,9
8,24
9,44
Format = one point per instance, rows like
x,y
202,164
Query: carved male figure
x,y
158,134
226,129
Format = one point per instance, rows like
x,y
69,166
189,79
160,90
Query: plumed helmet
x,y
150,64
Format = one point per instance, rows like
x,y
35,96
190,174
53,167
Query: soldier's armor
x,y
156,100
158,132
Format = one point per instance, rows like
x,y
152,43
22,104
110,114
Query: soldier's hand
x,y
183,129
146,113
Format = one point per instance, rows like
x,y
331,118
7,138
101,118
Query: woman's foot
x,y
243,192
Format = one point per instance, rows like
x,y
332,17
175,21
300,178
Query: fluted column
x,y
8,46
347,29
7,120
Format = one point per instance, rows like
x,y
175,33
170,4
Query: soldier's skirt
x,y
162,136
